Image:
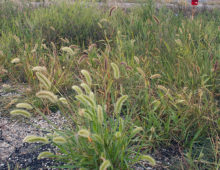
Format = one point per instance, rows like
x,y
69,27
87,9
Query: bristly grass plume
x,y
166,63
96,134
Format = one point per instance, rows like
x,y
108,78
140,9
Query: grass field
x,y
150,80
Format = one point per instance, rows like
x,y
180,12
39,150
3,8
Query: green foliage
x,y
96,136
32,34
167,63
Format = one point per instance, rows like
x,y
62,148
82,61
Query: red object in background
x,y
195,2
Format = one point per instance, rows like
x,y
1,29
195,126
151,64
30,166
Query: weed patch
x,y
164,61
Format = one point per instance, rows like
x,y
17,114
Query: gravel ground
x,y
13,152
16,154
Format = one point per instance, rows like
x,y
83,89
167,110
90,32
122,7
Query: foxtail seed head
x,y
68,50
97,138
156,104
20,112
86,100
152,129
162,88
92,96
84,133
24,106
39,69
85,113
15,60
85,87
100,114
35,139
16,39
44,80
179,42
43,94
141,72
87,116
77,89
136,130
119,103
149,159
118,135
45,154
155,76
81,112
105,164
115,71
63,100
87,77
156,19
137,59
59,140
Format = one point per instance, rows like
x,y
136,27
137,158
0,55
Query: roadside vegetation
x,y
150,80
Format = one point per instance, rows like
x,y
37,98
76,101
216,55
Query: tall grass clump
x,y
167,64
32,34
171,62
93,139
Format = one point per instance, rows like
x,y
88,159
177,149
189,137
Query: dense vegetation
x,y
164,65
